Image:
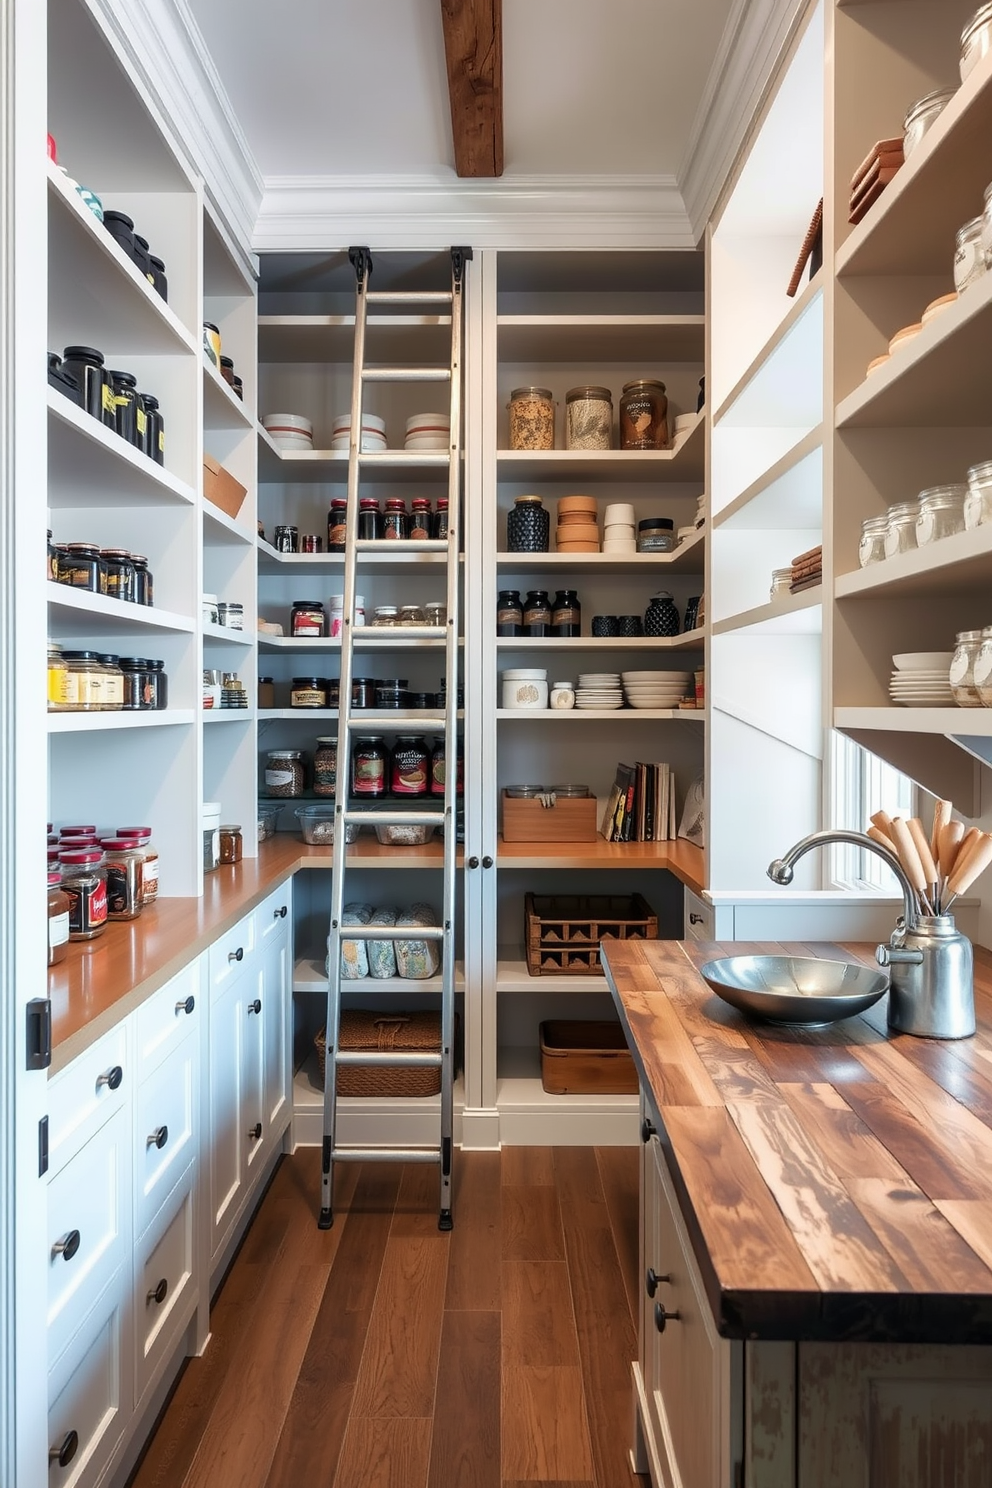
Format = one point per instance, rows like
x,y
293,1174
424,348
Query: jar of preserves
x,y
85,681
124,862
58,918
439,524
509,613
325,765
337,524
308,692
231,843
532,419
962,673
308,618
643,415
285,773
112,677
528,526
84,881
286,538
144,581
122,581
439,768
588,418
410,766
411,614
566,614
83,568
871,548
386,615
396,520
537,613
368,767
420,519
369,519
941,513
59,700
900,530
149,865
139,689
227,372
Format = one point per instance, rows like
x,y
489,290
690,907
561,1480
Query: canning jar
x,y
969,255
85,363
643,415
439,770
308,618
85,681
286,539
962,673
153,440
122,581
124,386
411,614
337,525
84,881
528,526
285,773
385,615
396,520
976,40
900,529
439,524
308,692
420,519
124,862
369,519
509,613
58,918
149,860
368,767
656,535
982,670
537,613
941,513
436,614
921,116
978,502
112,682
532,419
231,843
588,418
566,614
82,568
325,765
139,689
871,548
144,581
410,766
59,698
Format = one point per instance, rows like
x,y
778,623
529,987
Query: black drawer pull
x,y
256,1006
111,1078
648,1129
238,955
187,1006
255,1132
66,1248
487,862
695,919
661,1317
653,1280
473,862
280,913
64,1454
158,1137
158,1295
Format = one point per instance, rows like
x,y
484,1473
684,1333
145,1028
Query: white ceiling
x,y
591,87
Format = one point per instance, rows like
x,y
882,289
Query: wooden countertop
x,y
836,1183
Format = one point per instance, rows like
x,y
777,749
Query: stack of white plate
x,y
290,431
599,690
920,680
656,689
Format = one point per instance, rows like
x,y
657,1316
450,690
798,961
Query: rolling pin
x,y
941,816
971,865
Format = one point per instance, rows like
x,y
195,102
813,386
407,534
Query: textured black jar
x,y
661,618
528,526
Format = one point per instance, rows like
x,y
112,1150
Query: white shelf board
x,y
683,462
377,1121
792,614
309,976
692,640
222,531
77,612
412,339
909,229
788,495
387,563
941,377
950,722
326,465
225,635
512,976
961,561
784,387
226,273
393,640
519,1088
777,339
91,466
688,557
601,338
222,408
629,715
116,305
95,723
303,715
227,715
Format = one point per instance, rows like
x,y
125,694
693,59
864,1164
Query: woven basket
x,y
376,1031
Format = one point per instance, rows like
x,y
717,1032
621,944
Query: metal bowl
x,y
799,990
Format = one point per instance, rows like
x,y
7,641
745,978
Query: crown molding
x,y
166,50
754,38
430,211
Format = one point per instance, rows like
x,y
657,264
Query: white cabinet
x,y
227,1039
90,1395
165,1281
275,970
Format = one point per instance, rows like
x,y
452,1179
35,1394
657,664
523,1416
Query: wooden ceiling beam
x,y
473,50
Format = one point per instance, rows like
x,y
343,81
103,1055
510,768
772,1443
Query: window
x,y
863,784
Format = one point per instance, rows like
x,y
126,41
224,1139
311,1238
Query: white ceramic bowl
x,y
922,661
287,423
617,513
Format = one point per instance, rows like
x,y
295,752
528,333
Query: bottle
x,y
566,614
537,613
58,918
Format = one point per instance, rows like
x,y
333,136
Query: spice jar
x,y
82,568
84,881
509,613
941,513
325,765
112,682
124,862
285,773
656,535
337,524
286,539
962,672
85,681
231,844
566,614
149,866
532,419
308,692
368,767
562,695
308,618
871,548
369,519
439,524
410,766
643,415
58,918
266,692
528,526
900,531
121,580
144,581
588,418
537,613
396,520
969,256
59,699
420,519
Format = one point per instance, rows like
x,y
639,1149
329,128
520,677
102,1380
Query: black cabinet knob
x,y
695,919
187,1006
67,1246
280,913
238,955
473,862
487,862
653,1280
158,1294
256,1006
158,1137
661,1317
111,1078
648,1129
64,1453
255,1132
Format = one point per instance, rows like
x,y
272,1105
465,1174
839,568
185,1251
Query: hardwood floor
x,y
383,1354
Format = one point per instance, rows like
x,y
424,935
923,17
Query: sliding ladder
x,y
401,305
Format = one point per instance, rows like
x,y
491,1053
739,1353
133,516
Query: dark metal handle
x,y
653,1280
661,1317
187,1006
64,1454
473,862
67,1246
648,1129
238,955
695,919
111,1078
256,1006
158,1137
280,914
255,1132
158,1295
487,862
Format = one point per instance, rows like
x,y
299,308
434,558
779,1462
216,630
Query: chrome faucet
x,y
931,970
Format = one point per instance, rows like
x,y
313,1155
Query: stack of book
x,y
807,570
641,804
873,175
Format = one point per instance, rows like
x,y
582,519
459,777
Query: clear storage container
x,y
317,824
900,529
978,502
871,548
962,672
941,513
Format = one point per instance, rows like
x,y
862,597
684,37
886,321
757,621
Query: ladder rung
x,y
408,297
388,634
409,717
404,458
387,1154
406,374
393,818
402,545
388,1058
392,932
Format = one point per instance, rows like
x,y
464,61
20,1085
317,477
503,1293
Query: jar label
x,y
307,697
307,625
336,535
161,441
58,686
58,929
278,777
535,615
418,533
87,906
120,904
142,422
409,775
149,878
108,400
369,776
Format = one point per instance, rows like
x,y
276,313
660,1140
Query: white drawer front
x,y
165,1132
86,1228
83,1096
164,1294
274,913
700,918
228,954
86,1409
166,1019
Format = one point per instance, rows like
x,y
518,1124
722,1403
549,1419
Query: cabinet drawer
x,y
87,1411
167,1018
164,1291
86,1228
700,918
166,1129
85,1094
274,913
227,956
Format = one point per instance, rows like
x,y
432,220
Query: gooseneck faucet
x,y
780,871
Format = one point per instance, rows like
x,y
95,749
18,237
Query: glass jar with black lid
x,y
308,618
82,567
537,613
139,688
566,614
286,539
122,580
126,405
160,282
509,613
369,519
85,363
391,692
144,582
153,439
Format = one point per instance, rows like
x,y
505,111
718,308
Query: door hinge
x,y
39,1033
42,1146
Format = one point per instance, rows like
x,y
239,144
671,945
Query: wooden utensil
x,y
908,856
923,848
941,816
882,821
877,835
965,846
976,861
948,842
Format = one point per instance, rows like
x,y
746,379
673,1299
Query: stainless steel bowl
x,y
801,990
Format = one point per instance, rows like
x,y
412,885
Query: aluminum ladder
x,y
412,303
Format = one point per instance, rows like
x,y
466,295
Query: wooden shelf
x,y
683,462
773,345
691,640
96,723
688,557
789,494
791,614
77,612
682,858
222,408
89,465
601,338
962,561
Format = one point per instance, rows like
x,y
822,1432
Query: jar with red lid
x,y
396,520
125,862
439,526
368,767
420,521
58,917
369,519
84,880
410,766
149,869
336,524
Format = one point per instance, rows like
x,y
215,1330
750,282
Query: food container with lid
x,y
528,526
532,419
982,669
268,817
525,689
588,418
523,792
290,431
969,255
285,774
656,535
317,824
962,672
562,696
921,116
976,40
900,529
335,613
978,502
941,513
871,548
373,432
644,415
428,431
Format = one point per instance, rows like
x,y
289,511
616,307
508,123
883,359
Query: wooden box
x,y
562,932
580,1057
220,488
570,819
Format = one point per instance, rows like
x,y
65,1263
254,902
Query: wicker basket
x,y
562,933
382,1032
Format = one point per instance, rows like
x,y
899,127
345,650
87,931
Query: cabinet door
x,y
255,1015
274,981
227,1139
166,1129
89,1395
164,1285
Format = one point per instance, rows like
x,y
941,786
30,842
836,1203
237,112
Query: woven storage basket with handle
x,y
378,1031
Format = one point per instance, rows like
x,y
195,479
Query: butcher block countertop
x,y
836,1184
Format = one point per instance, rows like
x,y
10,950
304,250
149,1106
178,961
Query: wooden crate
x,y
570,819
562,932
586,1057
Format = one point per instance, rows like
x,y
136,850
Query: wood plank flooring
x,y
383,1354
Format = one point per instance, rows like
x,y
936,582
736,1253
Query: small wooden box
x,y
570,819
586,1058
562,932
220,488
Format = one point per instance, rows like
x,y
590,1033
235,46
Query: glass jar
x,y
436,614
439,524
410,766
84,881
122,581
308,692
325,765
286,539
439,768
124,862
85,363
566,614
962,673
982,670
125,390
528,526
83,568
368,767
537,613
266,692
643,415
85,681
59,697
420,519
211,687
58,918
941,513
285,773
921,115
337,525
153,442
139,688
588,418
144,580
112,677
969,256
509,613
781,582
210,827
978,502
656,535
976,40
311,542
871,548
532,419
385,615
231,843
149,860
362,692
562,695
158,679
411,614
900,528
308,618
392,692
369,519
396,520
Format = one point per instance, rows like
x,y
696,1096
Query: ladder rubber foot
x,y
444,1221
326,1219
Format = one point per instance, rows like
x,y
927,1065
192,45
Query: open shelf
x,y
961,561
692,640
369,1120
90,465
601,338
951,722
222,408
325,465
400,715
228,715
392,639
368,851
309,976
629,715
788,494
683,462
680,857
688,557
791,614
95,723
77,612
220,530
400,340
777,340
225,635
783,386
387,563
